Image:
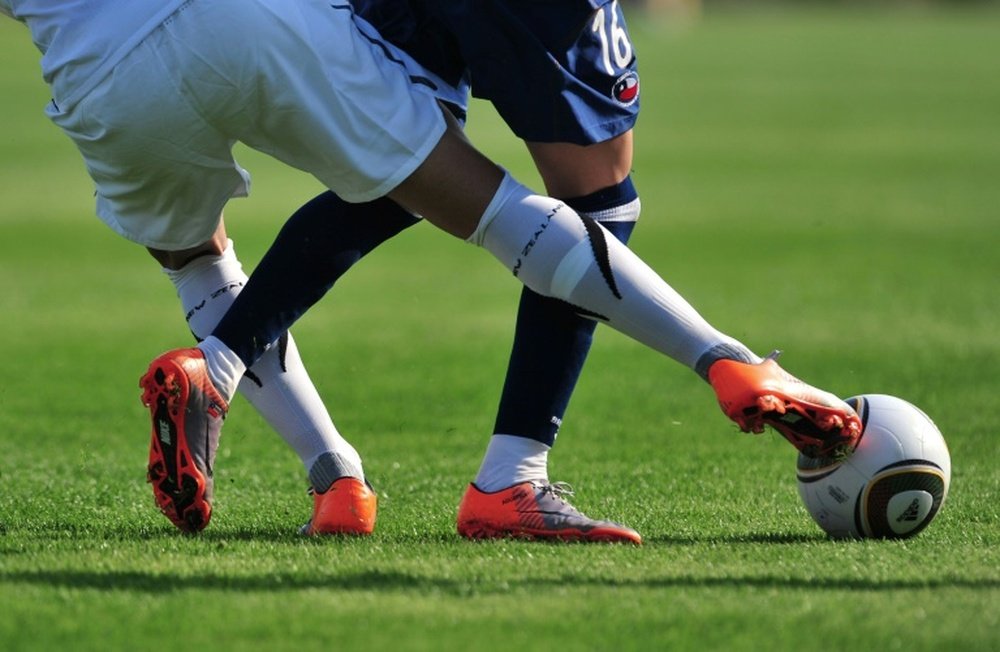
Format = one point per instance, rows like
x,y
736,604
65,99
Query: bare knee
x,y
578,170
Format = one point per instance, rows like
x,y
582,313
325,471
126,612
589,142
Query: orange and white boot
x,y
348,507
534,510
186,412
816,422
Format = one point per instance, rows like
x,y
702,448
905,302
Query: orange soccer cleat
x,y
533,510
349,506
817,423
187,414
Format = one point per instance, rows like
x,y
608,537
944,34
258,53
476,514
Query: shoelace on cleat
x,y
557,490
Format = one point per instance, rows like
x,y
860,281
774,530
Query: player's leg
x,y
162,163
550,347
557,253
156,189
314,123
551,341
277,385
578,129
318,123
323,239
207,279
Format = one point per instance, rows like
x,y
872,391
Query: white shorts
x,y
297,80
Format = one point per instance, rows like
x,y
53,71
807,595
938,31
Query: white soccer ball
x,y
891,486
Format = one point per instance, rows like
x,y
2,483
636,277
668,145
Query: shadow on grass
x,y
391,581
284,533
377,580
270,533
731,539
93,533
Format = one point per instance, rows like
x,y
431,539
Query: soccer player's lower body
x,y
551,344
398,144
163,174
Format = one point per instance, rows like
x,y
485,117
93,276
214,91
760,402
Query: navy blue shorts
x,y
556,70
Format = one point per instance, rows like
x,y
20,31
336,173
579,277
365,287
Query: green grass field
x,y
825,183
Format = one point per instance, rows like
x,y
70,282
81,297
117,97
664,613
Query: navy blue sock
x,y
551,343
320,242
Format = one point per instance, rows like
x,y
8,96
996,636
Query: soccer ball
x,y
891,486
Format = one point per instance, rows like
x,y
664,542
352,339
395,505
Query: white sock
x,y
557,253
225,369
511,460
277,385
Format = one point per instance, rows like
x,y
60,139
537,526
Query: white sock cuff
x,y
225,369
511,460
201,282
195,270
508,188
